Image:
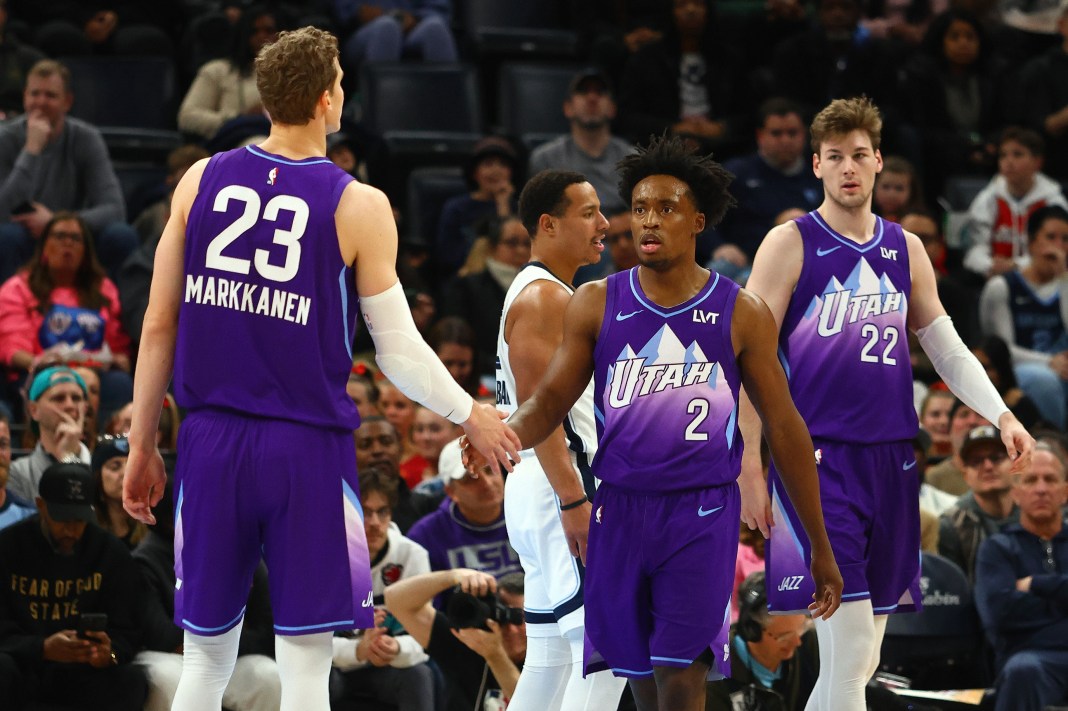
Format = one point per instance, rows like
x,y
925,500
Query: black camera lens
x,y
464,610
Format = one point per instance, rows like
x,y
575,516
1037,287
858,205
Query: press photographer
x,y
481,649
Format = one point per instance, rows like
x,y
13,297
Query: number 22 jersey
x,y
844,341
268,306
666,389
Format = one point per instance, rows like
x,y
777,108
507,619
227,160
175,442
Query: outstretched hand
x,y
1018,443
493,440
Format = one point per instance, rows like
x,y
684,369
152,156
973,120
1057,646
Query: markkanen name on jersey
x,y
249,298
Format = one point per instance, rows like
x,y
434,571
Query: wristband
x,y
574,504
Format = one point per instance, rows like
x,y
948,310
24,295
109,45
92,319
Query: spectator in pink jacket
x,y
62,308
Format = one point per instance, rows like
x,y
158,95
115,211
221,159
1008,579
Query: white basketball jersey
x,y
579,426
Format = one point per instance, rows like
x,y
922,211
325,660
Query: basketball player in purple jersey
x,y
253,307
843,286
668,344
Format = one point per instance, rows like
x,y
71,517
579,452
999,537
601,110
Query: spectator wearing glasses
x,y
62,308
478,297
770,655
986,508
480,665
384,662
1021,578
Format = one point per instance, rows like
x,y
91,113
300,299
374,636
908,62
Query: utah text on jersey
x,y
863,296
672,366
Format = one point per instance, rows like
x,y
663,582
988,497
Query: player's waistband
x,y
660,493
817,441
212,411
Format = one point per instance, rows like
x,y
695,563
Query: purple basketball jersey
x,y
268,308
666,389
844,343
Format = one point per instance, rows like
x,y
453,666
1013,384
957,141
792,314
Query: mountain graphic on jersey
x,y
863,296
844,341
667,387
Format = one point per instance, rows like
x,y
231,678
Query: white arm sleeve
x,y
959,368
407,360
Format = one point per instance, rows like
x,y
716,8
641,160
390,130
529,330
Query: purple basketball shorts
x,y
870,498
247,488
658,580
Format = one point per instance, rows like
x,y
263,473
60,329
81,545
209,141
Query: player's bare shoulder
x,y
914,244
540,303
782,242
364,218
777,268
188,188
586,308
751,317
360,199
540,292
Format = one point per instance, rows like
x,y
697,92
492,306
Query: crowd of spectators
x,y
973,94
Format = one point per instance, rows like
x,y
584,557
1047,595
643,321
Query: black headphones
x,y
751,597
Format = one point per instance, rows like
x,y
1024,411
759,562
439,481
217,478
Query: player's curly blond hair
x,y
293,72
842,117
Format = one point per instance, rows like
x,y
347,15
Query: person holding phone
x,y
70,617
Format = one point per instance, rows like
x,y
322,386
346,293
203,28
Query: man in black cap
x,y
590,148
58,571
986,508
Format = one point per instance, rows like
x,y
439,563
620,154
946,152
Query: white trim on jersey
x,y
580,425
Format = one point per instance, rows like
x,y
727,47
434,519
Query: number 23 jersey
x,y
268,306
666,389
844,341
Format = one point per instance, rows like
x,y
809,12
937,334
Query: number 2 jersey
x,y
268,306
666,389
844,341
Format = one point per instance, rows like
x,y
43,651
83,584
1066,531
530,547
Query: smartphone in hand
x,y
23,208
91,622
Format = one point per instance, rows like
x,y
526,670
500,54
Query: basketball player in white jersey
x,y
546,497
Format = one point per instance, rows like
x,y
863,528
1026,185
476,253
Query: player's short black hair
x,y
706,179
545,194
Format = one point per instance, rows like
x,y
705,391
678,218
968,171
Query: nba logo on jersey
x,y
271,176
819,457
